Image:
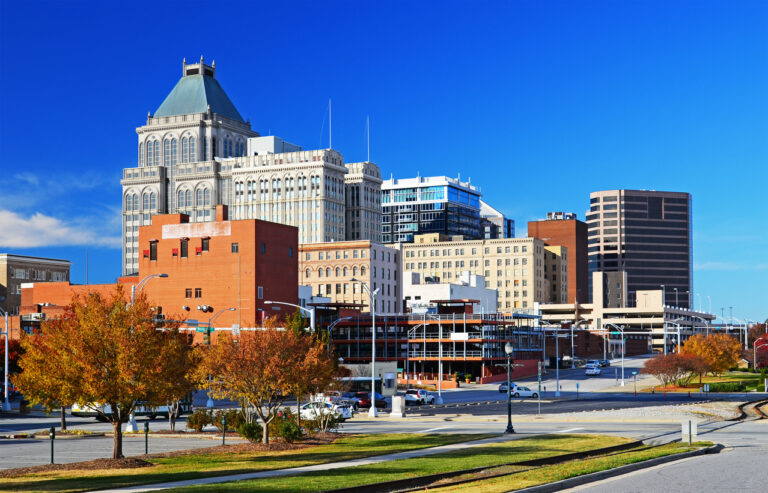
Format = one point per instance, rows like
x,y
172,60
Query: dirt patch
x,y
125,463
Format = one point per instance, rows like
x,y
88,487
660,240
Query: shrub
x,y
327,423
234,419
284,426
727,387
251,431
198,419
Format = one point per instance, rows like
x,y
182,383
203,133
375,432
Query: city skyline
x,y
588,116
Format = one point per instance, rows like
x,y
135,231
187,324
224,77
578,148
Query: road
x,y
740,467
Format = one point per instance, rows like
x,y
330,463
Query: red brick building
x,y
572,234
214,265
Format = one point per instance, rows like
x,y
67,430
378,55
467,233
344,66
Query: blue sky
x,y
538,103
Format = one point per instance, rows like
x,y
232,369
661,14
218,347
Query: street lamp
x,y
623,345
136,288
310,311
6,403
408,355
372,412
509,350
679,342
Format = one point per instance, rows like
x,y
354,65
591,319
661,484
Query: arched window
x,y
166,152
145,201
362,271
141,154
128,202
207,197
174,151
199,198
180,201
150,154
192,150
327,272
354,271
346,272
338,272
306,273
230,147
185,150
153,201
320,272
156,145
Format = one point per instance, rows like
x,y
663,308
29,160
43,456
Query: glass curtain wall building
x,y
435,204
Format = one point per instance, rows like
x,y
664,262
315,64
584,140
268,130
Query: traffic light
x,y
207,337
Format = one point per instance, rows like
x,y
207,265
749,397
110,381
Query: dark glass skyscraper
x,y
648,235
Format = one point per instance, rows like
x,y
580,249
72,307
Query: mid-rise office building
x,y
330,267
433,204
515,267
363,202
495,225
16,270
562,228
646,234
197,152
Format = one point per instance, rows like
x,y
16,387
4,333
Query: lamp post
x,y
6,404
310,311
408,356
509,350
557,363
136,288
677,324
623,344
439,399
372,412
209,404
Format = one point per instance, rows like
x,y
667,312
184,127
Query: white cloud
x,y
40,230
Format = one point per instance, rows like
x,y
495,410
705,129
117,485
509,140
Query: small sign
x,y
201,329
459,336
192,322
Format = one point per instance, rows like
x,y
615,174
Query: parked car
x,y
152,412
593,362
592,371
519,391
605,362
412,398
312,410
503,387
350,399
365,400
427,397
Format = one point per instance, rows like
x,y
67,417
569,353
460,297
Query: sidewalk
x,y
318,467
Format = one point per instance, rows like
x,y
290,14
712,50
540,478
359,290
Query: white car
x,y
412,398
592,371
524,392
314,409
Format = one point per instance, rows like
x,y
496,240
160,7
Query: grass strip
x,y
484,455
193,466
549,474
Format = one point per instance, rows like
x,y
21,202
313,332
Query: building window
x,y
235,248
152,250
188,293
290,252
206,244
306,273
184,248
198,292
263,248
261,292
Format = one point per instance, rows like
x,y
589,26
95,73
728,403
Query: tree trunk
x,y
117,443
265,434
63,418
298,411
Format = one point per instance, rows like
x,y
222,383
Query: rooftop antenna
x,y
330,126
368,132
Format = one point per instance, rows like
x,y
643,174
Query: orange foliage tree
x,y
264,367
720,351
106,354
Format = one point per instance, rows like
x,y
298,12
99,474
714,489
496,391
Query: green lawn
x,y
206,465
484,455
559,472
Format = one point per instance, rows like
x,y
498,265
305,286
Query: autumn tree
x,y
667,368
106,353
720,351
263,368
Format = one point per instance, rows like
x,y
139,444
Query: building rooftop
x,y
27,258
196,92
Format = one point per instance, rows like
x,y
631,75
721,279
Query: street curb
x,y
618,471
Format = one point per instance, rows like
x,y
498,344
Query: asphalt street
x,y
740,467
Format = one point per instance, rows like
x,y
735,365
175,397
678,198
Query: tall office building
x,y
495,225
197,152
433,204
647,234
563,229
363,201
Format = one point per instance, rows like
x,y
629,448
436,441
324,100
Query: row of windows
x,y
448,252
149,154
205,243
148,201
202,198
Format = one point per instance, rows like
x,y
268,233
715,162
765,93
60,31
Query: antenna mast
x,y
368,132
330,126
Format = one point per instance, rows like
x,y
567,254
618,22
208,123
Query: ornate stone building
x,y
197,152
